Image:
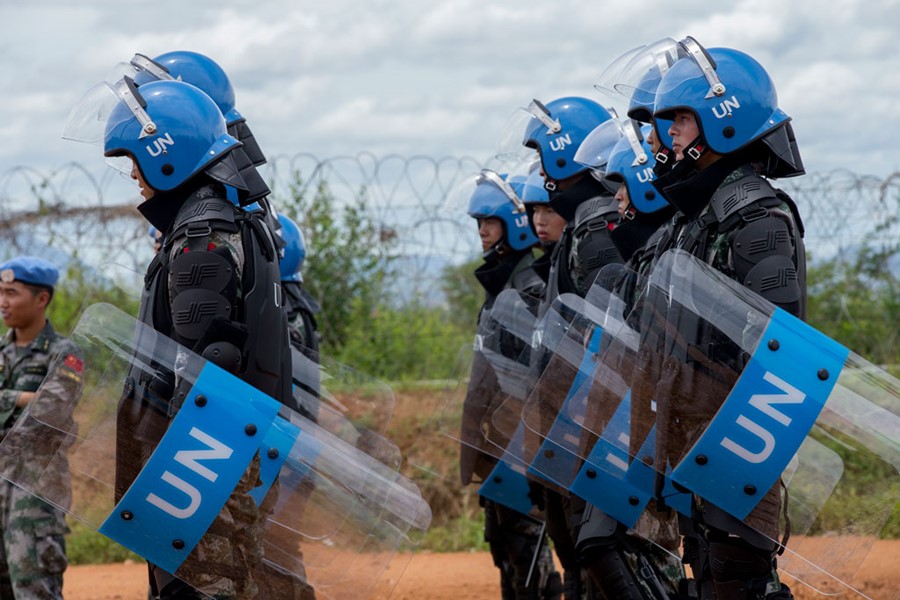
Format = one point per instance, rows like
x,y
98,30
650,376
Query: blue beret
x,y
29,269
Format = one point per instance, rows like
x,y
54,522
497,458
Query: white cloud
x,y
409,77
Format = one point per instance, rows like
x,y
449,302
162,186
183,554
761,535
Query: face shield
x,y
703,67
481,195
609,80
107,107
631,132
595,150
512,147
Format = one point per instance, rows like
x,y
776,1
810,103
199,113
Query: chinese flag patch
x,y
74,363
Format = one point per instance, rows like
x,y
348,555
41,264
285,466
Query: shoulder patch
x,y
74,363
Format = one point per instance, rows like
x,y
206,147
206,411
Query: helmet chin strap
x,y
629,213
695,149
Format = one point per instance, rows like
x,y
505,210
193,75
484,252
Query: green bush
x,y
84,546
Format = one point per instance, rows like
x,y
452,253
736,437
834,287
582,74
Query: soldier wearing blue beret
x,y
32,356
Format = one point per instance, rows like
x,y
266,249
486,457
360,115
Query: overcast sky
x,y
440,78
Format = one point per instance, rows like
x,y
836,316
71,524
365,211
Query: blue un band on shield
x,y
193,470
765,418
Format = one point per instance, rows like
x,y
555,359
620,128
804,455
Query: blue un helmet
x,y
735,104
490,195
200,71
173,131
631,164
533,190
294,252
557,130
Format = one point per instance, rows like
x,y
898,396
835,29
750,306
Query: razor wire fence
x,y
90,213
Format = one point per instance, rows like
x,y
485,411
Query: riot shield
x,y
583,341
770,425
491,373
226,486
343,401
573,334
506,334
346,403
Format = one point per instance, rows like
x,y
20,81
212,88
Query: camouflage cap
x,y
29,269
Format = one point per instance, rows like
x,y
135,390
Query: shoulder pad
x,y
203,207
734,196
596,212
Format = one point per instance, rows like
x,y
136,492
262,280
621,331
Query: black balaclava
x,y
565,203
689,190
494,274
631,234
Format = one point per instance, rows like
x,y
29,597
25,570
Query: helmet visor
x,y
87,119
697,65
512,148
608,82
94,114
647,67
595,150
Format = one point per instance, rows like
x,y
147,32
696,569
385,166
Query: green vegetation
x,y
84,546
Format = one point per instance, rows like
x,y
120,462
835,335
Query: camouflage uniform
x,y
33,552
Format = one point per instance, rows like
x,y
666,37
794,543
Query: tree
x,y
348,257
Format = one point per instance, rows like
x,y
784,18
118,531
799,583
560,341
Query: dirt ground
x,y
463,576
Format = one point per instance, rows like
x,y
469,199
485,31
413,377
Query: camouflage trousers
x,y
228,563
33,552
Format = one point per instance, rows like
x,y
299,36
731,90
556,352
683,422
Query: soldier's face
x,y
547,223
653,140
490,230
684,130
623,199
20,305
147,192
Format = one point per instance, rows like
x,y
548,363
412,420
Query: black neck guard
x,y
565,203
494,275
690,190
631,235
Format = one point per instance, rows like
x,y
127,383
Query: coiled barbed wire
x,y
74,211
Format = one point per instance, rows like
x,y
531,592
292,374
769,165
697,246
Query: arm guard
x,y
593,246
763,259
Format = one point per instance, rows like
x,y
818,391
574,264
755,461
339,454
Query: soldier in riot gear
x,y
730,137
555,131
506,240
546,223
654,571
214,287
